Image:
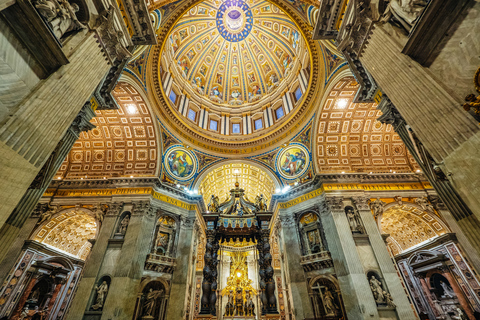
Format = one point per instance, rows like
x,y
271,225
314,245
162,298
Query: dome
x,y
232,70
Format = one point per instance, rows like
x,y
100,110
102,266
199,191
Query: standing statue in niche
x,y
102,291
353,220
122,228
249,305
60,15
376,287
447,290
150,302
404,13
329,303
260,203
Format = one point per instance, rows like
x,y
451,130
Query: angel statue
x,y
260,203
214,204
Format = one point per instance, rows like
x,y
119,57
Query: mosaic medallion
x,y
293,161
180,163
234,20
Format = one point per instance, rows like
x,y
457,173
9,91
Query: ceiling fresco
x,y
349,139
124,142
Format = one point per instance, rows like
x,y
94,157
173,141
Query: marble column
x,y
11,229
302,308
129,266
357,296
179,289
93,264
449,133
394,284
32,133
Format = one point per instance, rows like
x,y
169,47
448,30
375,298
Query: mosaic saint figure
x,y
293,163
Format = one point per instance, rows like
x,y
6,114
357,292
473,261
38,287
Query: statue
x,y
214,204
230,307
405,13
376,287
102,291
150,301
377,207
389,299
329,303
353,220
447,290
423,202
239,302
24,313
60,15
260,203
47,215
460,314
99,212
249,305
472,101
122,228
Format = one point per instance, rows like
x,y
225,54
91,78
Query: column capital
x,y
114,208
144,208
390,114
187,222
334,203
287,221
361,203
82,120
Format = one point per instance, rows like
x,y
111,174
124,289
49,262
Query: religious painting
x,y
219,78
296,39
285,32
234,59
267,24
308,218
265,9
287,62
184,65
235,82
293,161
180,163
251,77
175,42
183,34
191,54
266,68
278,52
202,10
203,70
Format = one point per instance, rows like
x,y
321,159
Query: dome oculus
x,y
234,20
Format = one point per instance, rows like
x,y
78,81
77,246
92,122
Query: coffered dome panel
x,y
234,72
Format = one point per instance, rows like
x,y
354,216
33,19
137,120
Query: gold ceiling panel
x,y
252,179
124,142
409,226
69,232
350,139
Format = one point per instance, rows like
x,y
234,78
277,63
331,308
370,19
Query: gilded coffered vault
x,y
349,139
124,142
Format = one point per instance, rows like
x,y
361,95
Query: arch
x,y
68,231
409,226
124,142
326,297
349,139
232,164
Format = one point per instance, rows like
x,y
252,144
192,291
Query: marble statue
x,y
102,291
47,215
405,12
353,220
460,314
423,202
447,290
329,303
150,301
99,213
376,287
389,299
124,225
214,204
24,313
60,15
377,207
260,203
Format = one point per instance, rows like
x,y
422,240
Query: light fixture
x,y
418,170
239,274
342,103
59,178
131,109
131,176
277,190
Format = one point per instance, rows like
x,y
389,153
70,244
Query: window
x,y
173,96
191,114
236,128
298,94
258,124
213,125
279,113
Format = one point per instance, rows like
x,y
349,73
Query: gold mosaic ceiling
x,y
124,142
252,179
350,139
